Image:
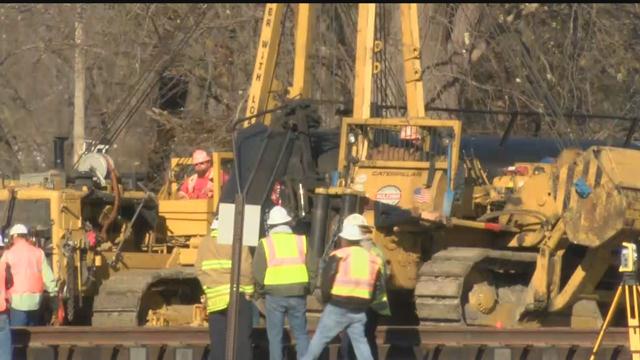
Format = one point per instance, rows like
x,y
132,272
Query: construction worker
x,y
30,276
213,263
351,278
198,185
380,305
5,329
282,272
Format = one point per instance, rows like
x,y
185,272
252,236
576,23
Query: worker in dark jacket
x,y
351,279
280,267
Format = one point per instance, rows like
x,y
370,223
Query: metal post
x,y
58,152
319,224
349,205
79,81
236,256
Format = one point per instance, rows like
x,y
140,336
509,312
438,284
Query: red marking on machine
x,y
389,194
493,227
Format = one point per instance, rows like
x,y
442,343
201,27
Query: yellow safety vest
x,y
218,297
356,272
218,267
285,254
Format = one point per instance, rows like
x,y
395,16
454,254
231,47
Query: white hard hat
x,y
18,229
278,215
355,219
355,227
214,224
352,232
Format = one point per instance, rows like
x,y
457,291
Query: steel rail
x,y
396,335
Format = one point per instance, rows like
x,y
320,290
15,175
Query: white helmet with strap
x,y
278,215
355,228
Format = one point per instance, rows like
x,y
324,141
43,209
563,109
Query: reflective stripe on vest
x,y
356,273
218,296
285,259
216,264
26,268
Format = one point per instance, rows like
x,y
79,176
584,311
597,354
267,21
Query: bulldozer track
x,y
439,291
393,343
118,303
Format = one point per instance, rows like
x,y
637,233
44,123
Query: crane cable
x,y
121,107
144,86
154,76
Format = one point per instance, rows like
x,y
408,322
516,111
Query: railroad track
x,y
186,343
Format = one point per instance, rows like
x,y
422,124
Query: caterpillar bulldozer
x,y
122,257
533,245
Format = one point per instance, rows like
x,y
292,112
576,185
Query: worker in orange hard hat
x,y
200,184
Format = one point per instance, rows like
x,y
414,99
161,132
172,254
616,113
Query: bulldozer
x,y
122,257
533,245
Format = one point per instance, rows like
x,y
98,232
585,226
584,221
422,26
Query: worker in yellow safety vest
x,y
351,279
380,304
284,277
213,263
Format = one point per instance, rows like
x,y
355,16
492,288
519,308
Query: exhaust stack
x,y
58,152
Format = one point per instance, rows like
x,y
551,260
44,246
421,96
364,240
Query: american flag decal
x,y
422,195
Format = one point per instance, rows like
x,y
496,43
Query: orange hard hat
x,y
200,156
409,133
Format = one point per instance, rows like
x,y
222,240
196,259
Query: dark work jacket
x,y
329,272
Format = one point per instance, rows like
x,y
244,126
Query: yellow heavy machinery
x,y
530,247
122,257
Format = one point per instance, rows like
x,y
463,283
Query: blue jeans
x,y
333,320
370,326
295,307
5,337
24,318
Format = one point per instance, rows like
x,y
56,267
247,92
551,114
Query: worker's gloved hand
x,y
54,303
54,320
259,294
317,294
